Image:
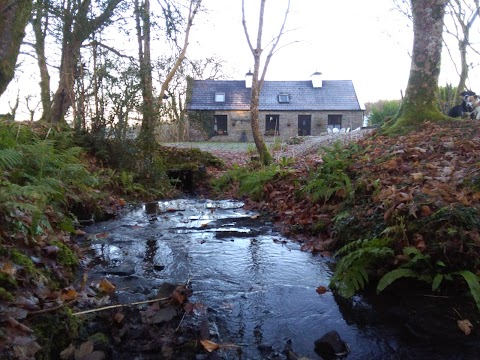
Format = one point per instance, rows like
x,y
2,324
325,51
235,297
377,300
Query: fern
x,y
252,183
331,178
351,272
394,275
473,284
10,158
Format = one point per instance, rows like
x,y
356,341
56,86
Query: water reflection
x,y
260,293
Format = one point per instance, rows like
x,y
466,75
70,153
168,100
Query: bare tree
x,y
14,17
464,15
14,107
193,9
31,109
419,103
258,80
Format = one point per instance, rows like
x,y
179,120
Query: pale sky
x,y
367,42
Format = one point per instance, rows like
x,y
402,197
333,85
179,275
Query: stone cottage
x,y
219,110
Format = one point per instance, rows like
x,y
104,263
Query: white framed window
x,y
219,97
334,122
283,98
220,125
272,125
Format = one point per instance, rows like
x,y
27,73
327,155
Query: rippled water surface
x,y
259,288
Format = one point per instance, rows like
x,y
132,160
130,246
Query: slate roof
x,y
333,95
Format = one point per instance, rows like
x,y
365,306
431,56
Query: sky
x,y
362,41
368,42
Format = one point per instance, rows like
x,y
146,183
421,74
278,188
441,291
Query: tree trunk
x,y
462,45
14,16
64,96
257,80
419,102
147,131
77,27
265,156
41,15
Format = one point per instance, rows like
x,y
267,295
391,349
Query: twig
x,y
435,296
120,305
461,317
53,308
180,323
18,325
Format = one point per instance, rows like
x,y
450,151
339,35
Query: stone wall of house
x,y
239,126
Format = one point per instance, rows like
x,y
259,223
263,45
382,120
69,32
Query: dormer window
x,y
283,98
220,97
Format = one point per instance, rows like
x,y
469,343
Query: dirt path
x,y
240,153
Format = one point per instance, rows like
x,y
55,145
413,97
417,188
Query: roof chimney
x,y
248,79
316,79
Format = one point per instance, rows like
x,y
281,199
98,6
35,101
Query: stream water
x,y
260,289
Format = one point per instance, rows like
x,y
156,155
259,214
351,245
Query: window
x,y
220,125
283,98
334,122
220,97
272,125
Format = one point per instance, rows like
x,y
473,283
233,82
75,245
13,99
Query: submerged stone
x,y
331,345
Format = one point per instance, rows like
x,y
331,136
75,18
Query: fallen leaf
x,y
67,353
25,347
465,325
209,345
106,286
51,249
180,294
69,294
8,268
85,349
426,211
321,290
118,317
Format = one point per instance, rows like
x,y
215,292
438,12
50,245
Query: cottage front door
x,y
304,125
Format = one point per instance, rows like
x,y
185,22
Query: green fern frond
x,y
351,272
252,182
10,158
473,283
394,275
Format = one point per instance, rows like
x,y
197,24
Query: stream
x,y
259,288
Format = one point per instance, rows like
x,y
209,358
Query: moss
x,y
411,118
55,332
7,280
65,256
22,260
353,226
5,295
99,339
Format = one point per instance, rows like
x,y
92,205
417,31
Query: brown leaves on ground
x,y
465,326
410,177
